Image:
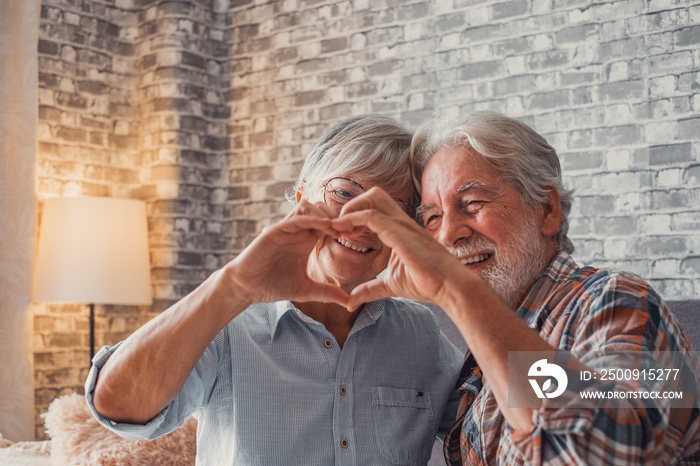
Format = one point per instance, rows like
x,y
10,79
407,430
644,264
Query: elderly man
x,y
494,254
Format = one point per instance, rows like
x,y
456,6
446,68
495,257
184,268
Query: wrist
x,y
457,293
218,300
239,295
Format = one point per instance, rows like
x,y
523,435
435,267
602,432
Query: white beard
x,y
518,263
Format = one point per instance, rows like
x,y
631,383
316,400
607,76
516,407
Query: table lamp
x,y
93,250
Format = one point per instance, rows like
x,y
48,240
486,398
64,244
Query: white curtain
x,y
19,29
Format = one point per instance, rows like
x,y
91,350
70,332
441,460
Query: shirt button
x,y
343,391
344,443
328,343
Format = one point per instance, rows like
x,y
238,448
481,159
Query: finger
x,y
351,220
288,229
320,209
375,198
322,225
325,293
346,228
367,292
389,229
328,210
305,222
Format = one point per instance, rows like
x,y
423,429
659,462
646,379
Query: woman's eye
x,y
344,195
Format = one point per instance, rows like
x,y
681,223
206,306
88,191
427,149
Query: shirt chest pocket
x,y
404,424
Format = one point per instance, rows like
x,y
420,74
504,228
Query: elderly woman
x,y
264,352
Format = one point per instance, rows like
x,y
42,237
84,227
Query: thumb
x,y
372,290
325,293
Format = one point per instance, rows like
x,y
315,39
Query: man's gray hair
x,y
524,157
375,146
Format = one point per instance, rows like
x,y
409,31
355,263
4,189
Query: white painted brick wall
x,y
613,85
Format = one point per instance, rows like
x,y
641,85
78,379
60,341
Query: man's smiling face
x,y
482,220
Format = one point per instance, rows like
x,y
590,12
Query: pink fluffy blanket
x,y
78,439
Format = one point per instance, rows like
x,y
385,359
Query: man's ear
x,y
551,213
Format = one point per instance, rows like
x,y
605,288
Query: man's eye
x,y
430,220
474,206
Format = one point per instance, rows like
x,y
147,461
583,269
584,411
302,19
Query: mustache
x,y
472,245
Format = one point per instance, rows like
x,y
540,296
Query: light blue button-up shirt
x,y
274,388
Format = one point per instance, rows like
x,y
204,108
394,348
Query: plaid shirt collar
x,y
533,309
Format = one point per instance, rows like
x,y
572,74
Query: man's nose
x,y
453,228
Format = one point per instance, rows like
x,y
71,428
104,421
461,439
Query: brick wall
x,y
612,85
87,146
133,103
206,108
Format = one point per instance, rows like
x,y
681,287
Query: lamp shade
x,y
93,250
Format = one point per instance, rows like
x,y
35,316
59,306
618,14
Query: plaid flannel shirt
x,y
582,309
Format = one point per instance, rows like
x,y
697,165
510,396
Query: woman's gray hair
x,y
375,146
524,157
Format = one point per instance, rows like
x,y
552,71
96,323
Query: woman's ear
x,y
299,194
552,215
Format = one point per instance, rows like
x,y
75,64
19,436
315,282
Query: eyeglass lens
x,y
340,191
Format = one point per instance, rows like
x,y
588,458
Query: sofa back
x,y
688,315
686,312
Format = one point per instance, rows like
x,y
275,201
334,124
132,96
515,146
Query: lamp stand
x,y
92,332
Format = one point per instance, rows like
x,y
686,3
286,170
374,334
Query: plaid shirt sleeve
x,y
614,312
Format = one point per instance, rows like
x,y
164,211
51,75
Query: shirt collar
x,y
533,309
276,311
370,313
561,267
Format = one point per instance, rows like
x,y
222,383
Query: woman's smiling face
x,y
370,150
350,260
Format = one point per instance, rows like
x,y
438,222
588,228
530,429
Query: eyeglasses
x,y
339,191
